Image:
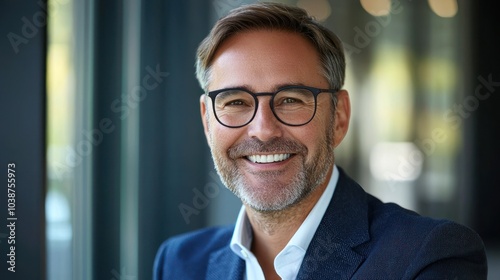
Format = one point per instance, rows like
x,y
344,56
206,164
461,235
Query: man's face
x,y
297,159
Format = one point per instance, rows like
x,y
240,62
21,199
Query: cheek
x,y
311,139
222,138
324,112
314,134
324,120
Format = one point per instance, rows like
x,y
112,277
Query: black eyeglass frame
x,y
315,92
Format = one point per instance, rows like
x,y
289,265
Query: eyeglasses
x,y
291,105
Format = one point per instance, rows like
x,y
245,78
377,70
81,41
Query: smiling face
x,y
271,166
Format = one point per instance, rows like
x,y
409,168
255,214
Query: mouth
x,y
268,158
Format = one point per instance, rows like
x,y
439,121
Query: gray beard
x,y
310,176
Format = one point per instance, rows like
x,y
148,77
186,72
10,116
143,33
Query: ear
x,y
203,111
342,116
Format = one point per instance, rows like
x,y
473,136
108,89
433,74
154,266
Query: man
x,y
273,113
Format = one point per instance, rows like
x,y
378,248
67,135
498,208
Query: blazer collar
x,y
344,226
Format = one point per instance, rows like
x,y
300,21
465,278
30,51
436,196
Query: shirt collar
x,y
241,240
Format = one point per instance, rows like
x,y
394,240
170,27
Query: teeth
x,y
268,158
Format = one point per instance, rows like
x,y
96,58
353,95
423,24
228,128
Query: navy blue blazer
x,y
359,237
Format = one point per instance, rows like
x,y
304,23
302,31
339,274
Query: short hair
x,y
274,16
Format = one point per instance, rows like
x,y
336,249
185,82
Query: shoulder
x,y
188,254
401,242
424,246
391,221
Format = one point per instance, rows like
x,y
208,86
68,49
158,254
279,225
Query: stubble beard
x,y
276,195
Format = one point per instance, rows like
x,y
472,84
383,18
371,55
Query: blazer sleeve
x,y
159,262
450,251
187,256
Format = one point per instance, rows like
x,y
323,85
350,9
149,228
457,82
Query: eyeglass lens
x,y
293,106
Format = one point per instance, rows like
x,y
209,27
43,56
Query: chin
x,y
276,199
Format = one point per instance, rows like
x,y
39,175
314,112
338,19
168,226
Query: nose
x,y
264,126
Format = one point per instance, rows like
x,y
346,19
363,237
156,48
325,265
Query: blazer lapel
x,y
343,227
225,264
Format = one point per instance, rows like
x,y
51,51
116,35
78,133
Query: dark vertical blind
x,y
23,26
485,128
173,149
107,78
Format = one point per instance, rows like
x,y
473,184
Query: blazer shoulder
x,y
450,249
385,217
187,255
397,243
427,247
397,223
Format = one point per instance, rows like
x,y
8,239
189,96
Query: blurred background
x,y
99,111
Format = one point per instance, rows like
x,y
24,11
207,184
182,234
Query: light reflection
x,y
391,90
58,217
377,7
396,161
444,8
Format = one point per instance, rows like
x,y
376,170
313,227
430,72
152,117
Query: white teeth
x,y
268,158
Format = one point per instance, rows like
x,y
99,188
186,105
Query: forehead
x,y
263,58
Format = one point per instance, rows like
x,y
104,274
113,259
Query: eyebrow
x,y
275,88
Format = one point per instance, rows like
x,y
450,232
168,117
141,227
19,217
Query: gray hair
x,y
274,16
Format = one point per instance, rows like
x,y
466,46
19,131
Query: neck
x,y
277,225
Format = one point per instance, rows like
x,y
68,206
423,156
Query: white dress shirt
x,y
287,262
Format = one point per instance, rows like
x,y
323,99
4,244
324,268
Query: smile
x,y
268,158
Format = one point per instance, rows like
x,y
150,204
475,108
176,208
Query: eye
x,y
234,99
290,100
235,103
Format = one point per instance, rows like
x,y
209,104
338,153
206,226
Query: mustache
x,y
276,145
